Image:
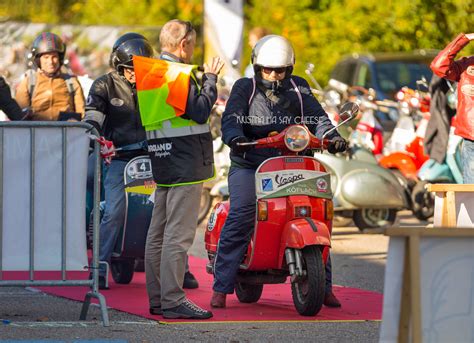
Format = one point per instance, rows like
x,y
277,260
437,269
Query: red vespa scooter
x,y
292,232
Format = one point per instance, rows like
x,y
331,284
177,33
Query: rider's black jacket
x,y
112,107
257,107
7,103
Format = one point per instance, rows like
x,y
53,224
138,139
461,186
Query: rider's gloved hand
x,y
337,144
107,149
239,149
27,113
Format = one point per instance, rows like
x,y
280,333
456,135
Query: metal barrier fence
x,y
62,128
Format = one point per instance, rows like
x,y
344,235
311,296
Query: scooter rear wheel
x,y
423,202
122,270
308,292
247,293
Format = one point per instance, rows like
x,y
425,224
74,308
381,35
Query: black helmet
x,y
125,37
129,45
47,42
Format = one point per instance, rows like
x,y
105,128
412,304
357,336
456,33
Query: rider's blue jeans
x,y
114,214
467,155
237,231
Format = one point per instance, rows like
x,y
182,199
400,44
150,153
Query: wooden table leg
x,y
414,246
451,208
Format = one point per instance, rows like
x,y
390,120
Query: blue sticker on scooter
x,y
267,185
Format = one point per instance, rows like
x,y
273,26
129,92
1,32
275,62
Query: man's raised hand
x,y
215,67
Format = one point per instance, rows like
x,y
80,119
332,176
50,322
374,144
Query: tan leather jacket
x,y
50,96
461,71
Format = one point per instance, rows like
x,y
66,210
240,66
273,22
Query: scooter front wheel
x,y
308,291
374,218
247,293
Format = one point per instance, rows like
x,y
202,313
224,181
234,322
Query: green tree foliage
x,y
321,30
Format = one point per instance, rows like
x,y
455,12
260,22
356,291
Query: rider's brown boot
x,y
218,300
330,300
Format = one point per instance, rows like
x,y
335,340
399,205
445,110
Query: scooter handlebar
x,y
278,141
248,143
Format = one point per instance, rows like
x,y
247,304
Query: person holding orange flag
x,y
175,112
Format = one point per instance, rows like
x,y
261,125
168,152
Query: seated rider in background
x,y
48,91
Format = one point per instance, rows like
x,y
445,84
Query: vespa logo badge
x,y
267,185
322,185
284,180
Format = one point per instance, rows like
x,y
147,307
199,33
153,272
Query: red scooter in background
x,y
408,159
369,132
292,233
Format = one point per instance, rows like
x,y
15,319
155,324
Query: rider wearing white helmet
x,y
273,51
270,101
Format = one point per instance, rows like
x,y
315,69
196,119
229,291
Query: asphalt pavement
x,y
358,261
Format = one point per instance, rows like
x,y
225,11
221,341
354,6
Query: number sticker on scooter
x,y
139,168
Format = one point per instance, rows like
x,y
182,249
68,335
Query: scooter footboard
x,y
302,232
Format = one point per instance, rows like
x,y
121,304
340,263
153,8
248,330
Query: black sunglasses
x,y
269,70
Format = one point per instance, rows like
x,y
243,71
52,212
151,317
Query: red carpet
x,y
275,304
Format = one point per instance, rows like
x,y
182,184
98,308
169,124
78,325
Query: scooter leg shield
x,y
302,232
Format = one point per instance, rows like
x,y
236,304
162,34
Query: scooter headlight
x,y
297,138
400,96
415,102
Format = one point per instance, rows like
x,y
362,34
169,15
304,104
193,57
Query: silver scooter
x,y
364,191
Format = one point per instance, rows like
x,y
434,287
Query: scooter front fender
x,y
302,232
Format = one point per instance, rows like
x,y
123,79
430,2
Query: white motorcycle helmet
x,y
273,51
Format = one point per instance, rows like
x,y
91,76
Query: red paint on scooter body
x,y
282,228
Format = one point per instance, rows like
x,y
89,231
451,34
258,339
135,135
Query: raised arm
x,y
444,64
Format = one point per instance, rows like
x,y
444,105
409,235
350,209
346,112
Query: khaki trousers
x,y
170,235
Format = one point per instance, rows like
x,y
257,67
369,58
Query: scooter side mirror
x,y
309,71
348,111
309,68
422,85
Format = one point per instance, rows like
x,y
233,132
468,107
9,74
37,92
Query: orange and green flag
x,y
162,89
